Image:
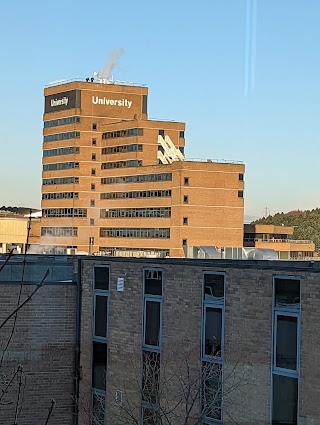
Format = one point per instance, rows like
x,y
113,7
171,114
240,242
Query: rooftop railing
x,y
95,80
224,161
279,240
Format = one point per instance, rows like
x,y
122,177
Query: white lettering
x,y
113,102
58,102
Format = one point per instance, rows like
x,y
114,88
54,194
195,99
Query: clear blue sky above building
x,y
246,82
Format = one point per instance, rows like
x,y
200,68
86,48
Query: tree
x,y
171,388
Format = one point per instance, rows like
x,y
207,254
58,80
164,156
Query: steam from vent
x,y
106,72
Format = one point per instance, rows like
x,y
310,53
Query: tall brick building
x,y
118,183
110,336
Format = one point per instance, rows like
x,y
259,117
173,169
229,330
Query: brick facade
x,y
45,337
212,214
248,329
43,342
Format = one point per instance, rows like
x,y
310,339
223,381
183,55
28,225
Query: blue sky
x,y
193,57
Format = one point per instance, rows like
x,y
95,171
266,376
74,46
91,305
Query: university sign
x,y
65,100
112,102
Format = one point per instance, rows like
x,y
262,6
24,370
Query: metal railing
x,y
224,161
95,81
279,240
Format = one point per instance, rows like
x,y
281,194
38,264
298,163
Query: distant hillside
x,y
306,223
18,210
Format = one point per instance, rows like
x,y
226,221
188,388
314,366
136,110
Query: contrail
x,y
247,51
253,43
250,46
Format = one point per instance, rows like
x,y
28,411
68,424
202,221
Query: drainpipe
x,y
77,372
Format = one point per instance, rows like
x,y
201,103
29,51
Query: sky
x,y
242,74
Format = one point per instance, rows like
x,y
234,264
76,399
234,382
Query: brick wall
x,y
248,329
43,343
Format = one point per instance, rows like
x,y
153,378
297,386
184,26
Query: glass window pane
x,y
213,331
99,365
151,417
152,325
286,348
100,326
98,409
153,282
151,377
211,390
101,278
213,286
287,292
285,400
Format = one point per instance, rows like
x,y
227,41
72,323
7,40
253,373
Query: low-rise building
x,y
119,340
278,238
14,231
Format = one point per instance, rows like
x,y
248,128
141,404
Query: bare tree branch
x,y
53,402
29,298
7,259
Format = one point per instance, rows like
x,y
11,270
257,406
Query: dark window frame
x,y
289,310
152,298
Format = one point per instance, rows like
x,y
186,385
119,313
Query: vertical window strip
x,y
286,318
151,344
100,291
213,306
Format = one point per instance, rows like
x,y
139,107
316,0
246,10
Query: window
x,y
122,149
186,181
152,330
98,402
64,212
150,380
121,164
61,151
241,177
60,166
152,308
181,149
134,252
185,199
138,179
93,171
134,232
161,133
101,277
62,121
94,126
161,212
91,221
61,180
93,157
93,186
92,203
94,142
240,193
286,350
123,133
211,394
137,194
99,365
212,345
181,134
59,231
185,220
184,242
61,195
61,136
